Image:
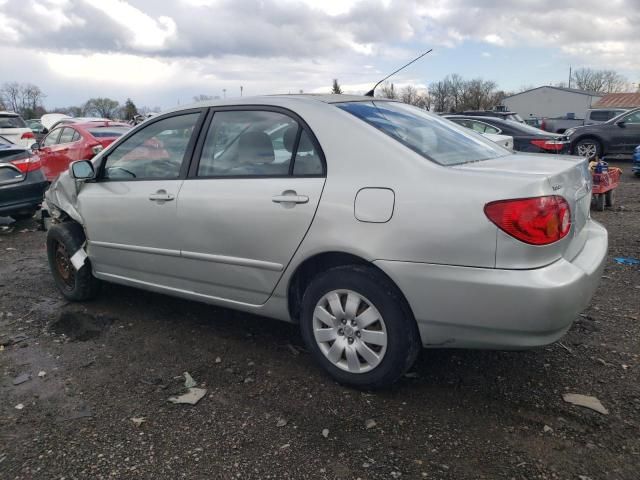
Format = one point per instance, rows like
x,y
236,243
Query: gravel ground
x,y
269,412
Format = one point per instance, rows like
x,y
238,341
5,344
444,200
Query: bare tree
x,y
102,107
440,96
11,96
387,90
601,81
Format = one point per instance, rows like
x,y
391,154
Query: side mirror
x,y
35,146
82,170
621,123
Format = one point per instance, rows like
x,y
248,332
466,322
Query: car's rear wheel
x,y
358,327
588,148
63,241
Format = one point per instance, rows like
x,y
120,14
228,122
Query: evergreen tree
x,y
336,86
130,111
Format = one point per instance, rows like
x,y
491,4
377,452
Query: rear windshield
x,y
12,121
108,132
429,135
514,117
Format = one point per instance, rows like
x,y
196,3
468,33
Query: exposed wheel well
x,y
312,266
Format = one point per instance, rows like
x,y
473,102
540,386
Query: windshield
x,y
108,132
624,113
429,135
12,121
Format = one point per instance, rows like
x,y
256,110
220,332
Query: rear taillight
x,y
549,145
537,220
28,163
27,135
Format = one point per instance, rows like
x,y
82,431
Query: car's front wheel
x,y
358,327
588,148
63,241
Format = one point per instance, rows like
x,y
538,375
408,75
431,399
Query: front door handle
x,y
290,197
161,196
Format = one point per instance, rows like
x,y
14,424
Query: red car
x,y
77,141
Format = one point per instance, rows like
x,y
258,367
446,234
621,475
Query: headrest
x,y
255,148
289,138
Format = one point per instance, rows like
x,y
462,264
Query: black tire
x,y
610,198
403,338
23,216
63,240
600,202
589,141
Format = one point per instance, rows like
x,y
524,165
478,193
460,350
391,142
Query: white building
x,y
551,102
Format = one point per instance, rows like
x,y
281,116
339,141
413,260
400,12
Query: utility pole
x,y
570,76
224,93
241,88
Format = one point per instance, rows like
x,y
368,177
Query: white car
x,y
504,140
13,128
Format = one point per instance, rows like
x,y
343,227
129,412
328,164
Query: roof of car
x,y
4,112
279,100
479,117
98,123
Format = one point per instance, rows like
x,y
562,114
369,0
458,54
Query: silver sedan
x,y
378,227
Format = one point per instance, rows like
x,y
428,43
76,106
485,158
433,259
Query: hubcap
x,y
65,269
588,150
350,331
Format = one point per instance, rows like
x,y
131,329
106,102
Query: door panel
x,y
245,215
130,212
237,240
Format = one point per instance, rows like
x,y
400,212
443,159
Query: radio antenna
x,y
371,92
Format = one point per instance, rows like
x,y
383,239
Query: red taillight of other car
x,y
549,145
27,163
537,220
27,135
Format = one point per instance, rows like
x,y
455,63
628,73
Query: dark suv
x,y
620,135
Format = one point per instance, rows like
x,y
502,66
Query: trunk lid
x,y
562,175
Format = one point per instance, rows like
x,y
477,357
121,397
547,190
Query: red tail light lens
x,y
26,135
28,163
536,221
550,145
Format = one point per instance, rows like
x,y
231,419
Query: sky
x,y
162,53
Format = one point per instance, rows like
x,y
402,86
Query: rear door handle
x,y
290,198
161,196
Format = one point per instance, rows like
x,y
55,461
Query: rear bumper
x,y
24,196
463,307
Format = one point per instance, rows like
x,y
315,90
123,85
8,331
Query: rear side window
x,y
257,144
602,115
155,152
428,135
12,121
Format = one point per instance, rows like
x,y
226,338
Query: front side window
x,y
155,152
52,138
248,143
633,118
67,135
429,135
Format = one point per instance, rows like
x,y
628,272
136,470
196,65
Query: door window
x,y
308,161
484,128
67,135
52,138
633,118
248,143
76,136
601,115
155,152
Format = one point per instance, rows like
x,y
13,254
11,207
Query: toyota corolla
x,y
378,227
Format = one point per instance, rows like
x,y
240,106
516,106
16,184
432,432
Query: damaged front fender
x,y
62,198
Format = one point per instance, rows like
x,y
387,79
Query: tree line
x,y
27,100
